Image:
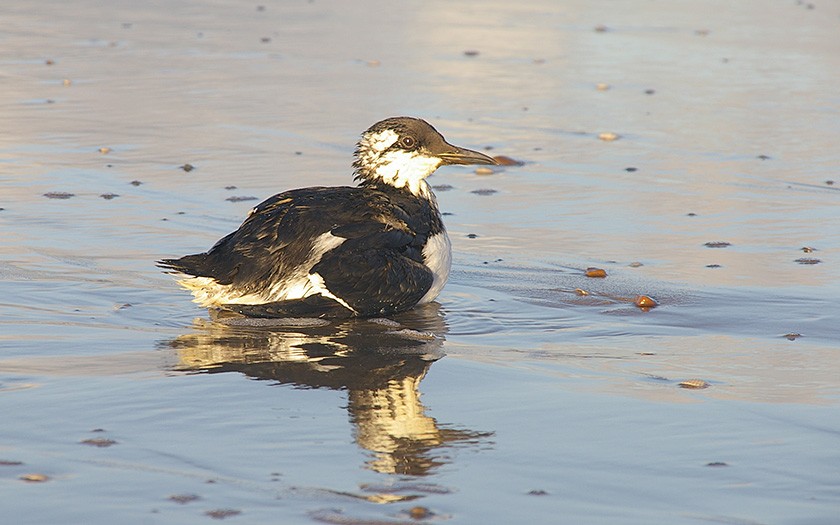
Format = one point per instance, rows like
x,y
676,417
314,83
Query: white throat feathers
x,y
378,161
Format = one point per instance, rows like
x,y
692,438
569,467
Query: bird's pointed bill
x,y
465,156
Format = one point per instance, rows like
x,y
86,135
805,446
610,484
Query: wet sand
x,y
528,392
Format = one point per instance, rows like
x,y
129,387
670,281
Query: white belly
x,y
437,255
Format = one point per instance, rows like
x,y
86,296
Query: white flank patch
x,y
437,255
296,285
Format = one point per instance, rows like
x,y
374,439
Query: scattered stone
x,y
135,183
109,196
241,198
645,301
230,188
99,442
650,91
537,492
483,171
471,53
691,214
220,514
34,478
601,86
717,464
713,266
504,160
829,183
265,40
183,499
807,260
630,169
104,150
702,32
66,82
717,244
187,167
420,513
635,264
792,336
808,249
581,292
595,272
695,384
608,136
373,63
484,191
764,157
49,62
9,463
600,28
472,235
58,195
443,187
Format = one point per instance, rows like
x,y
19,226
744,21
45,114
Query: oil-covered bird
x,y
374,249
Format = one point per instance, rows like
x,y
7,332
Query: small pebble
x,y
635,264
58,195
645,301
713,266
808,249
35,478
829,183
763,157
807,260
104,150
135,183
608,136
504,160
581,292
601,28
241,198
49,61
265,40
691,214
472,235
717,464
717,244
66,82
419,513
471,53
537,492
442,187
99,442
595,272
220,514
630,169
187,167
695,384
483,171
109,196
650,91
484,191
373,63
601,86
792,336
184,498
10,463
230,187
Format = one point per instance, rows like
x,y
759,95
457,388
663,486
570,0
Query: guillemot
x,y
374,249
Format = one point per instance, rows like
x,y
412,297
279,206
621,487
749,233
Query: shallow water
x,y
511,399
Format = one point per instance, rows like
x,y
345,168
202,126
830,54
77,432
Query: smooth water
x,y
516,397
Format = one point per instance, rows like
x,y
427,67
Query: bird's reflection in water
x,y
380,362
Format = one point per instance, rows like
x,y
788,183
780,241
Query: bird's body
x,y
374,249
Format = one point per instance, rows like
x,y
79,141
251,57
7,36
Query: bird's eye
x,y
408,142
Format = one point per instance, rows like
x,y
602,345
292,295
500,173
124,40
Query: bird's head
x,y
403,151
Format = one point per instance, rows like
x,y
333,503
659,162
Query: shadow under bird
x,y
374,249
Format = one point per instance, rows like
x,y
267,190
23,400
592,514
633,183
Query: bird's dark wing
x,y
276,238
376,274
